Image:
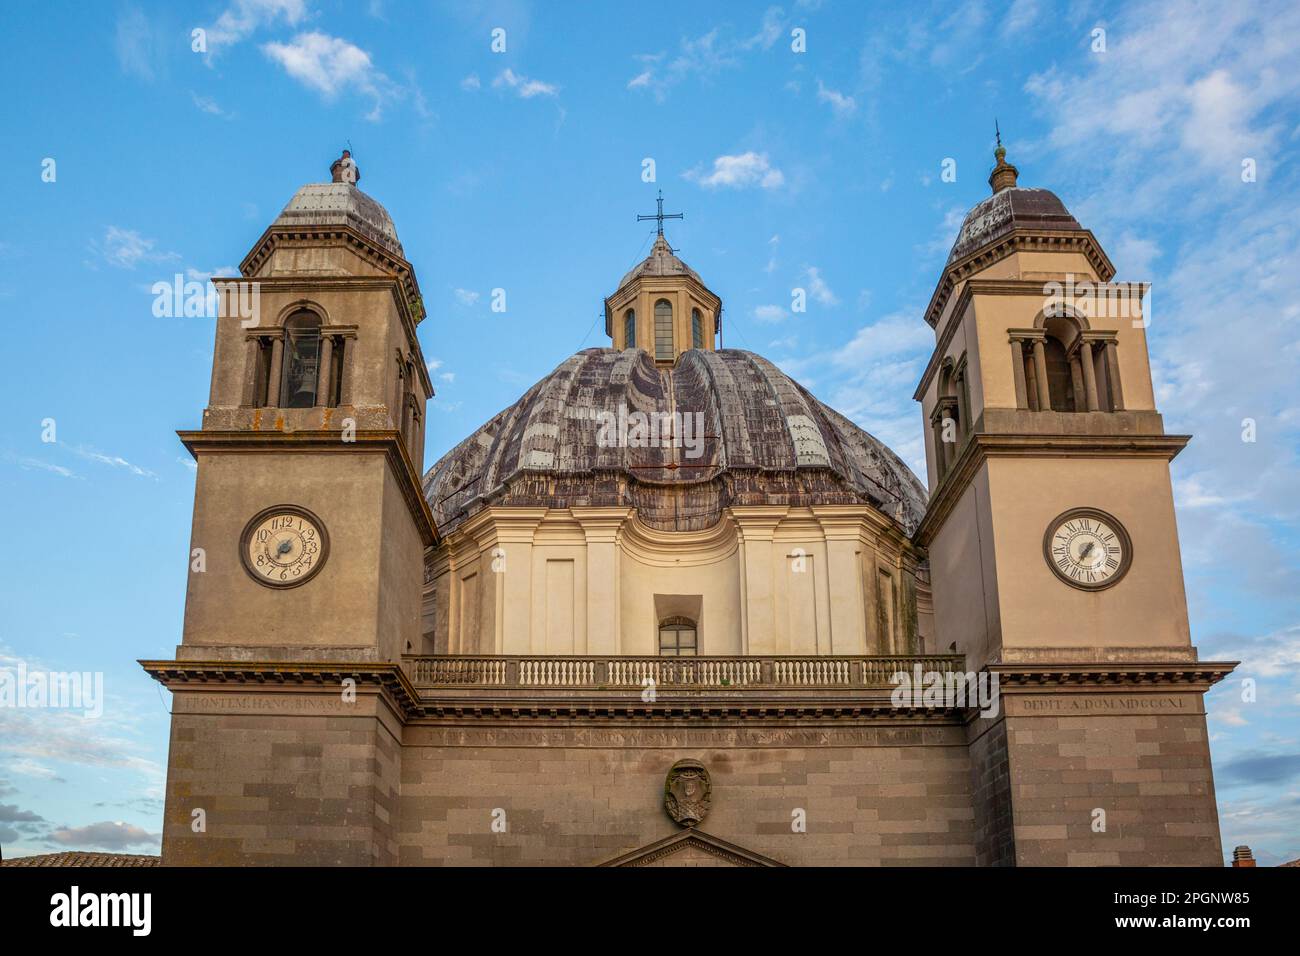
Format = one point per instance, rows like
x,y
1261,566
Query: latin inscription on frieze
x,y
1067,705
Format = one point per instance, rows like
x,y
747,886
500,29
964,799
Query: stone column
x,y
1040,376
757,526
601,527
1076,382
1018,369
349,344
1089,374
277,364
325,373
1112,373
253,362
963,406
940,446
844,577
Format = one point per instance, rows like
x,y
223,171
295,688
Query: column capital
x,y
757,522
601,525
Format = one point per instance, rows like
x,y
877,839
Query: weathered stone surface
x,y
765,440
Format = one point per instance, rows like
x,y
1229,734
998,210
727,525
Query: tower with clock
x,y
308,458
1052,540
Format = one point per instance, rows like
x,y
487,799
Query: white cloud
x,y
818,288
108,835
1019,17
471,83
842,104
522,86
210,106
126,248
739,172
137,44
116,461
640,80
36,463
770,313
244,17
466,297
331,65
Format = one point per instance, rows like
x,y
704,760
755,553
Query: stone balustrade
x,y
604,673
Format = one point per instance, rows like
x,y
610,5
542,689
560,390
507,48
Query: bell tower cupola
x,y
662,305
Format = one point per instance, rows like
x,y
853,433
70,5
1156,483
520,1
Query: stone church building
x,y
670,609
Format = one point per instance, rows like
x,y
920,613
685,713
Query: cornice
x,y
712,707
982,446
388,442
1015,241
246,676
1164,675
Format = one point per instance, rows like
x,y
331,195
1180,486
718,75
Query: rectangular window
x,y
677,640
663,331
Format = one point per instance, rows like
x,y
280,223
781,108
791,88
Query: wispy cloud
x,y
522,86
244,17
818,288
841,103
126,248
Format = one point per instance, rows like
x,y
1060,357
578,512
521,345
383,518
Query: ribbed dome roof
x,y
341,204
661,262
766,440
1010,209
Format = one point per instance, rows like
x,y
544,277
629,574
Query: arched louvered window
x,y
697,330
663,331
629,329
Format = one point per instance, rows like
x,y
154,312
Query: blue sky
x,y
522,170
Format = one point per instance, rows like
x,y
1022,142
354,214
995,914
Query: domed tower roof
x,y
764,440
662,261
1011,208
341,203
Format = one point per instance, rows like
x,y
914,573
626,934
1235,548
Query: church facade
x,y
670,609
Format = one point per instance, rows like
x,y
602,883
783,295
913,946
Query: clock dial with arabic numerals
x,y
284,546
1087,548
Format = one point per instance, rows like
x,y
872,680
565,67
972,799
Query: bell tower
x,y
1052,540
308,504
308,541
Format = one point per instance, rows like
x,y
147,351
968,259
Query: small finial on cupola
x,y
344,169
1004,174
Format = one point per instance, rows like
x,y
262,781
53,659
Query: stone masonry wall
x,y
579,796
1147,769
278,787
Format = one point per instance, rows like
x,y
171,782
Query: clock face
x,y
284,546
1088,549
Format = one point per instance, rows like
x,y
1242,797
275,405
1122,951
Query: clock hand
x,y
284,547
1086,550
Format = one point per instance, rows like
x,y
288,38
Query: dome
x,y
341,204
660,262
1008,209
764,440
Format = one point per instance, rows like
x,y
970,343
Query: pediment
x,y
692,848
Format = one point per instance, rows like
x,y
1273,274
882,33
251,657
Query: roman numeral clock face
x,y
284,546
1088,549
